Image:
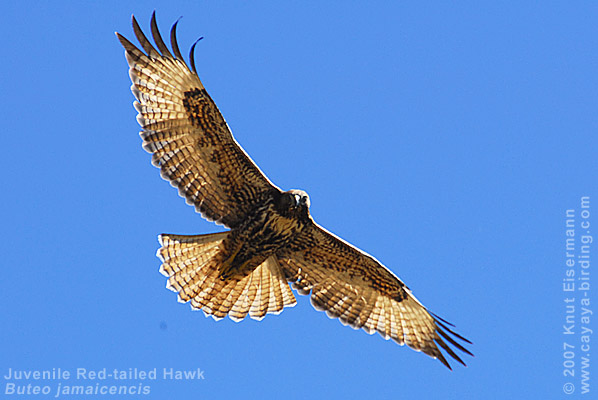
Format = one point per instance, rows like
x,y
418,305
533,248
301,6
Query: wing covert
x,y
187,135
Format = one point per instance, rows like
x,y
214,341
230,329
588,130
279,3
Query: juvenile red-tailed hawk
x,y
272,240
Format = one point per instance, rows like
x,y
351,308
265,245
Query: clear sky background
x,y
447,140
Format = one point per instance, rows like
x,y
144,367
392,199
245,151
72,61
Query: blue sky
x,y
446,140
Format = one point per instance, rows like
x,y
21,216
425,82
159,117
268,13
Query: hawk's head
x,y
301,199
293,203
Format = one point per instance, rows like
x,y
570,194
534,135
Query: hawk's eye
x,y
298,200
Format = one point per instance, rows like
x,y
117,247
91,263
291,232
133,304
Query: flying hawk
x,y
273,240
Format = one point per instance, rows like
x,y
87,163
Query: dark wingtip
x,y
173,41
443,331
145,43
442,319
158,38
442,359
130,47
450,351
454,342
134,21
192,55
453,332
123,40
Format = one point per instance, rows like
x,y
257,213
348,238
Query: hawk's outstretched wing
x,y
353,286
188,137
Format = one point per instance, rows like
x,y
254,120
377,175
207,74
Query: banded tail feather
x,y
192,264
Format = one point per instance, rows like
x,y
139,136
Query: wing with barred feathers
x,y
353,286
188,137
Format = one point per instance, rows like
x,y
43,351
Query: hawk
x,y
272,239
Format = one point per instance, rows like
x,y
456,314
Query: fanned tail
x,y
191,263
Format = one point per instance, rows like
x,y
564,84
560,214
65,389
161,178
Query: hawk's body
x,y
272,239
